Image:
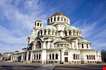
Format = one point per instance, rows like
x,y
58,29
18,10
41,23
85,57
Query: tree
x,y
103,54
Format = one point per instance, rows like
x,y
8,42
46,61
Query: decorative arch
x,y
38,43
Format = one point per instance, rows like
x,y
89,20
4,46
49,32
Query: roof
x,y
57,13
82,40
51,27
68,27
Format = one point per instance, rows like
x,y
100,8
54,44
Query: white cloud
x,y
21,23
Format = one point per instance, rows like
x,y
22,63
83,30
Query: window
x,y
56,56
87,45
37,24
69,32
66,59
48,20
54,18
34,56
38,44
65,33
49,32
64,19
52,56
65,53
37,56
44,32
82,46
75,56
91,57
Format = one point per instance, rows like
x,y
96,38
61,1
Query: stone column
x,y
44,53
48,45
22,55
76,44
73,45
27,56
34,46
72,32
67,33
31,56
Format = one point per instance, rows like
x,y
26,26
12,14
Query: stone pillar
x,y
48,45
72,32
31,56
22,55
27,56
76,42
73,45
67,33
34,46
44,53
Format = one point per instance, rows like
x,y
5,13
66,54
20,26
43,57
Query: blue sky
x,y
17,19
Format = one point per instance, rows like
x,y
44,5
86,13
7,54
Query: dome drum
x,y
58,18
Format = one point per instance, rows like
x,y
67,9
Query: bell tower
x,y
38,24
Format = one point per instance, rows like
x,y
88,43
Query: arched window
x,y
48,31
45,32
54,18
37,24
69,32
38,44
56,56
65,19
87,45
82,46
51,19
52,56
75,56
65,33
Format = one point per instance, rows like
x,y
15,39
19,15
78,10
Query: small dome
x,y
50,27
82,40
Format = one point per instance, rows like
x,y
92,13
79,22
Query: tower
x,y
38,24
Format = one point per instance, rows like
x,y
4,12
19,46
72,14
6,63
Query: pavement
x,y
21,66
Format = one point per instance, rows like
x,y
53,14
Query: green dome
x,y
50,27
68,27
82,40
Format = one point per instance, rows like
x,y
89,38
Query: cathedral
x,y
57,43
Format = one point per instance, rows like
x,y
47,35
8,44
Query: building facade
x,y
57,43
